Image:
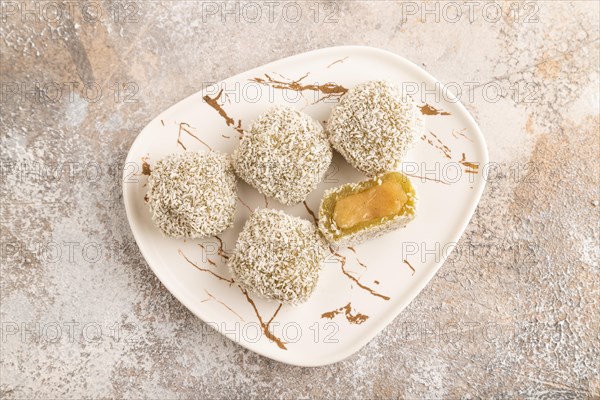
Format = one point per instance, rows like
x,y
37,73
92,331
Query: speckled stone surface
x,y
515,310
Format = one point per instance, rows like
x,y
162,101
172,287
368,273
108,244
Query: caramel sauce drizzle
x,y
211,262
342,260
185,127
329,89
312,214
438,145
225,305
341,60
244,204
146,170
221,252
427,109
265,326
426,178
472,168
357,318
230,281
352,249
456,134
214,103
409,266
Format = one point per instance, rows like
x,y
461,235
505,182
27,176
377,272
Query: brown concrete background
x,y
513,313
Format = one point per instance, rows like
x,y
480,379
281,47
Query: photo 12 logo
x,y
68,332
57,12
64,252
282,333
270,11
56,92
471,11
473,91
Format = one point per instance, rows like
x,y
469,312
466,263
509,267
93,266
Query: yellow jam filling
x,y
379,201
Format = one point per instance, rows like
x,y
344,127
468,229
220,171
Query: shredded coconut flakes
x,y
278,256
284,155
374,125
192,195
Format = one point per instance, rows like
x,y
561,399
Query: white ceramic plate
x,y
354,300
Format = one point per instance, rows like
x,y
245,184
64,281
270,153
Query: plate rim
x,y
413,290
